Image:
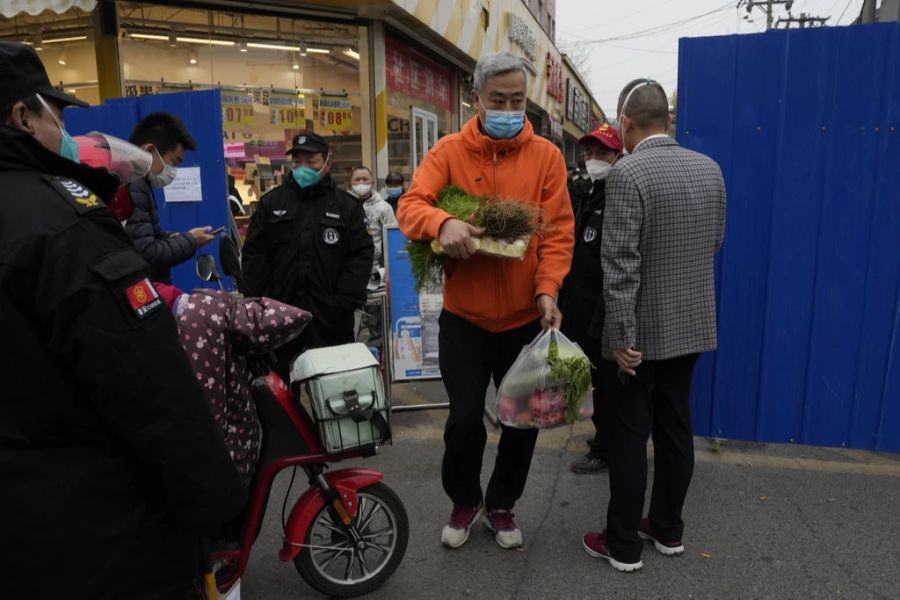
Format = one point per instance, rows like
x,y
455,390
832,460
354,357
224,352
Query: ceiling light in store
x,y
191,40
173,41
193,58
76,38
302,49
183,40
62,57
351,53
37,41
295,62
318,50
243,45
261,46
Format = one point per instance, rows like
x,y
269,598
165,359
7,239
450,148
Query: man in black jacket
x,y
308,245
166,138
110,463
581,297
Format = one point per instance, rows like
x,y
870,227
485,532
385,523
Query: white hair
x,y
497,63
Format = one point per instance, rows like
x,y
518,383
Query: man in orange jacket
x,y
492,307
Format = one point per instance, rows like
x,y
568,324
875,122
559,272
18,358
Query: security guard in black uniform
x,y
581,296
110,463
308,245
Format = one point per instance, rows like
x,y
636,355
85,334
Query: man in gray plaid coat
x,y
665,219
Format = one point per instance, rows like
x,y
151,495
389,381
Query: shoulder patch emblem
x,y
79,196
590,235
143,298
331,236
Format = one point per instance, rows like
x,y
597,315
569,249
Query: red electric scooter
x,y
348,532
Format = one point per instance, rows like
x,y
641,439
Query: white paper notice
x,y
186,187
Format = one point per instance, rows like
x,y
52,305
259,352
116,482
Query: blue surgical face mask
x,y
503,124
393,192
68,148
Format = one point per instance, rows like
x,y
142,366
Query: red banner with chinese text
x,y
413,74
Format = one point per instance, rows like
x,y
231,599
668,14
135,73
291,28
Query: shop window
x,y
63,42
416,84
278,76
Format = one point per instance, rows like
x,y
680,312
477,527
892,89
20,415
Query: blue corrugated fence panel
x,y
809,276
201,113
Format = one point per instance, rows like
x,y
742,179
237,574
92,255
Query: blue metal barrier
x,y
806,127
201,112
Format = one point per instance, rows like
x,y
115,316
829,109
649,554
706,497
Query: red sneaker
x,y
595,544
503,523
669,548
456,531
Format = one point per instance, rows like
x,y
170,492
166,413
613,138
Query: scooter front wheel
x,y
336,565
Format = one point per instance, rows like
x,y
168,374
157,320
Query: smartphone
x,y
217,230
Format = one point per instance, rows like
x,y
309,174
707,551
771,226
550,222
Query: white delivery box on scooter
x,y
346,395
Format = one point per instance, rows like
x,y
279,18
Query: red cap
x,y
606,135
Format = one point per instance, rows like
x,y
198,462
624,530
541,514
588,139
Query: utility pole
x,y
802,21
768,6
868,11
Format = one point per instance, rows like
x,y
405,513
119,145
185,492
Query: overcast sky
x,y
615,32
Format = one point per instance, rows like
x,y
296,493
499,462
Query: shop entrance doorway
x,y
423,134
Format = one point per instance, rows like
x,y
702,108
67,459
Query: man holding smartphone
x,y
165,137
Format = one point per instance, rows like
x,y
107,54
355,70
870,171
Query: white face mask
x,y
597,169
166,177
362,189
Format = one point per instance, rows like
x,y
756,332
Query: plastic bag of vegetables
x,y
548,385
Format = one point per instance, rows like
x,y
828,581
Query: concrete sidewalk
x,y
762,521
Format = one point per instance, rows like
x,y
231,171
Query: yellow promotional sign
x,y
237,109
335,114
287,111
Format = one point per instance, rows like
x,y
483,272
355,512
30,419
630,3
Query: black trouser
x,y
600,418
657,402
469,358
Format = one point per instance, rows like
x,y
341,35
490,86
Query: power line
x,y
838,22
657,29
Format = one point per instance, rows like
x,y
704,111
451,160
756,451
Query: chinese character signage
x,y
413,74
580,105
237,109
335,114
286,110
554,77
517,31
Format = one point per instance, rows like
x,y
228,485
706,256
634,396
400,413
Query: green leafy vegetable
x,y
575,371
507,220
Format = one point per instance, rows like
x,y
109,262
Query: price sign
x,y
336,119
286,111
237,109
335,114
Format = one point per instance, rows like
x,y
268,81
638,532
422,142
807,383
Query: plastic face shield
x,y
117,156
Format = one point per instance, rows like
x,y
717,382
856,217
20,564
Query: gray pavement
x,y
762,521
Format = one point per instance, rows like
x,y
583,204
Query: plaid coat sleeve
x,y
621,258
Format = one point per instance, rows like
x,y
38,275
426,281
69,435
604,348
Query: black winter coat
x,y
161,249
581,296
311,248
110,462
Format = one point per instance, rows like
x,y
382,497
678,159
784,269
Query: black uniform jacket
x,y
310,247
581,296
110,462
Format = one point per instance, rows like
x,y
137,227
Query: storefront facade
x,y
582,113
383,82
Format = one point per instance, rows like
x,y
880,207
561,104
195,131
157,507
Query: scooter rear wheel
x,y
333,565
